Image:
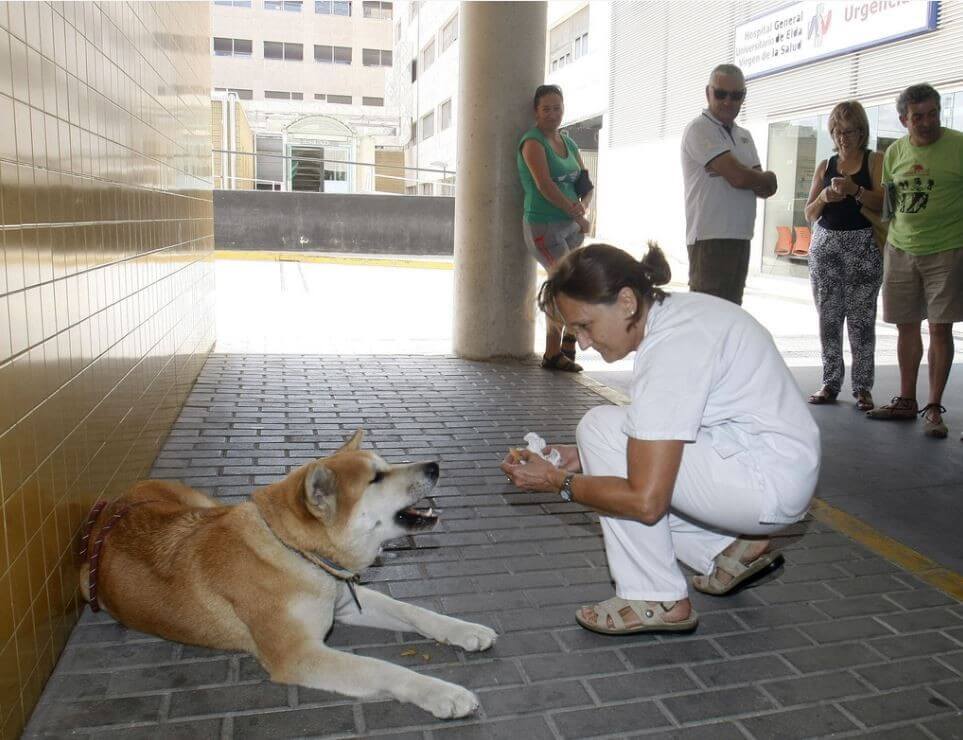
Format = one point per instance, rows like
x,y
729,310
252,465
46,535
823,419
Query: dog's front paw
x,y
448,701
470,636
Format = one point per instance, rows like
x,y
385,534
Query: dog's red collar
x,y
98,545
326,564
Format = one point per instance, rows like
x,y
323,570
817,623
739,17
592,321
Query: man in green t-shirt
x,y
923,259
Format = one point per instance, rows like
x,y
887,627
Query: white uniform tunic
x,y
708,374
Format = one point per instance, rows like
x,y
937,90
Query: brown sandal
x,y
561,362
864,400
822,396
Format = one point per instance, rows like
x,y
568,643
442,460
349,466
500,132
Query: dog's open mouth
x,y
412,518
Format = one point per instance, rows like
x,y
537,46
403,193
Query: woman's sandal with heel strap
x,y
649,616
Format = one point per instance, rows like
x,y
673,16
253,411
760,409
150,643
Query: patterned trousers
x,y
846,270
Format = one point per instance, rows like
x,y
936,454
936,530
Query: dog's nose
x,y
431,470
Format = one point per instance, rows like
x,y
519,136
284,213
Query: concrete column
x,y
501,62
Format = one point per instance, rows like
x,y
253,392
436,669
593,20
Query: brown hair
x,y
596,273
916,94
542,90
853,112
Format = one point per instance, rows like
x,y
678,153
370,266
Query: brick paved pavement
x,y
841,642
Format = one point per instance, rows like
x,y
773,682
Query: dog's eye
x,y
378,477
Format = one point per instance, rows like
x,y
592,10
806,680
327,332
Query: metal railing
x,y
413,185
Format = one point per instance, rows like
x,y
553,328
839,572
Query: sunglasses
x,y
736,95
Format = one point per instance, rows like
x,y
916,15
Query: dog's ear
x,y
354,443
320,489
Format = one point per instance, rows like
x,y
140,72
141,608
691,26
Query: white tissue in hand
x,y
537,445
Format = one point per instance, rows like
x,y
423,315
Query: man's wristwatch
x,y
566,490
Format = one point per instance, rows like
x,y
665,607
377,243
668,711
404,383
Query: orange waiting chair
x,y
784,242
800,247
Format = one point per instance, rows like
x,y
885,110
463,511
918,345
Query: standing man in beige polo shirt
x,y
723,177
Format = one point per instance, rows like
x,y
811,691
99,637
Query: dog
x,y
271,575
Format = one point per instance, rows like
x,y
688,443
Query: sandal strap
x,y
610,608
731,566
900,403
648,613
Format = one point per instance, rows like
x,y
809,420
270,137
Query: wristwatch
x,y
566,491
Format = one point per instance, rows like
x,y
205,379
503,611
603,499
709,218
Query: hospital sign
x,y
804,32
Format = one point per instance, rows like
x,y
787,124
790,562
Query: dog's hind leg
x,y
378,610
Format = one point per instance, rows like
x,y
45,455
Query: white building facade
x,y
424,85
311,77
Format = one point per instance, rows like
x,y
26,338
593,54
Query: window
x,y
376,57
332,7
413,134
339,99
561,60
581,45
234,3
414,70
283,50
428,55
241,93
224,47
332,54
377,9
449,33
427,126
289,6
374,102
282,95
568,40
445,115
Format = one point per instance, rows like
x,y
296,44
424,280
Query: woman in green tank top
x,y
555,220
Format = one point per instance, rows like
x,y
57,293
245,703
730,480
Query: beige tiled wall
x,y
106,285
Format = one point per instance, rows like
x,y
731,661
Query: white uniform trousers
x,y
715,499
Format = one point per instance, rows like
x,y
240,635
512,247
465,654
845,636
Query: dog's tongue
x,y
419,518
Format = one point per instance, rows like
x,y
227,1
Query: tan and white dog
x,y
271,575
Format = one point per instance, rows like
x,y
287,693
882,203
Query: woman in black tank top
x,y
845,263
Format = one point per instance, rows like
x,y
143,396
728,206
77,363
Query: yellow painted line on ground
x,y
944,579
255,255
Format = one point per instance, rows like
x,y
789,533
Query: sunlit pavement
x,y
296,307
357,306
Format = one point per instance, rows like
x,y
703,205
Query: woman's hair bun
x,y
655,266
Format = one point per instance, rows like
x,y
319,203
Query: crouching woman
x,y
716,451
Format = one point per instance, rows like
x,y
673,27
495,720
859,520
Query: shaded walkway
x,y
842,642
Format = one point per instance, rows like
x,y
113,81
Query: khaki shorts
x,y
918,287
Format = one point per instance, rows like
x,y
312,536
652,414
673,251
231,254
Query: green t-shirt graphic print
x,y
925,186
